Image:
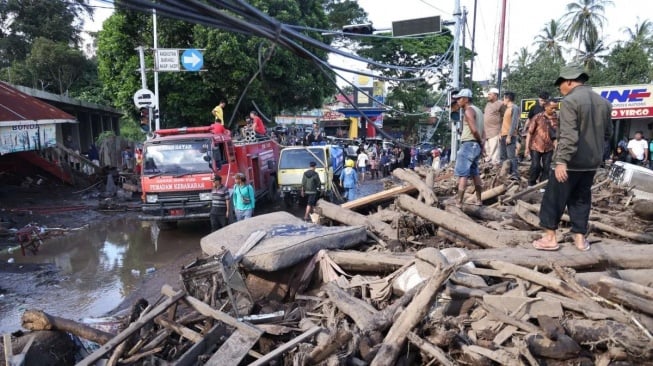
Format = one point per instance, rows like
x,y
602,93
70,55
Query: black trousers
x,y
218,220
540,166
575,194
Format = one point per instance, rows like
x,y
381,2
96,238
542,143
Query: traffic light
x,y
145,119
365,28
155,114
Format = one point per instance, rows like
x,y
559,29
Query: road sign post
x,y
144,98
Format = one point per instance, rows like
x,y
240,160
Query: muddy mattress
x,y
287,241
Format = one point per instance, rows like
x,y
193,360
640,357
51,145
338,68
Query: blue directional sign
x,y
192,59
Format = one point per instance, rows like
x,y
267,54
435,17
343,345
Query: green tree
x,y
627,63
344,12
591,56
284,82
522,58
641,35
550,39
584,20
24,21
527,81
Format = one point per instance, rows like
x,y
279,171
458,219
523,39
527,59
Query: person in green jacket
x,y
585,123
243,196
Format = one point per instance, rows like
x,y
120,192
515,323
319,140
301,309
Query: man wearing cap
x,y
492,124
472,140
509,134
311,184
219,204
584,124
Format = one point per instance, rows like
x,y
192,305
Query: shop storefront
x,y
632,109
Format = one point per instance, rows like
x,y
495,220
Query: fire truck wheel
x,y
288,201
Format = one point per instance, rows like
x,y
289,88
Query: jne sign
x,y
628,101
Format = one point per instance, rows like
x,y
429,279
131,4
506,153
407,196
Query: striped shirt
x,y
219,197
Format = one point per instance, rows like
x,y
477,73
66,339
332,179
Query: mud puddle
x,y
88,273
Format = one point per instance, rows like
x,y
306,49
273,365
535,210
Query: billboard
x,y
26,137
628,101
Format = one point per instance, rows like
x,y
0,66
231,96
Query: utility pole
x,y
141,57
502,29
471,66
455,76
462,61
157,123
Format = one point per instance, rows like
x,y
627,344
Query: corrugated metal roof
x,y
17,107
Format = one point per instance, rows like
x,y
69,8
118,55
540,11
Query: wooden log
x,y
458,240
644,209
601,332
501,356
179,329
133,327
386,215
278,351
642,277
489,193
348,217
478,234
632,287
612,229
430,349
523,213
334,343
408,319
40,320
625,298
380,197
486,213
526,191
362,313
414,179
356,261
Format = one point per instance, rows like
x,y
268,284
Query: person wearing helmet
x,y
349,180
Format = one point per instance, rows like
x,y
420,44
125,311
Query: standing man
x,y
259,127
315,137
349,180
471,146
509,132
311,184
218,112
361,164
492,124
540,142
638,150
585,123
219,204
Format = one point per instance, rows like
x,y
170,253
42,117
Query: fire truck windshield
x,y
176,157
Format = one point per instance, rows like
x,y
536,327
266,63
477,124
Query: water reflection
x,y
96,269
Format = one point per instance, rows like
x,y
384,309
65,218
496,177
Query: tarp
x,y
288,240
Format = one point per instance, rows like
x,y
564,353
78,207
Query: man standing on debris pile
x,y
584,124
509,134
311,184
471,146
219,204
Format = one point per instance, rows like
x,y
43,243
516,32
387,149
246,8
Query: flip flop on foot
x,y
586,246
538,244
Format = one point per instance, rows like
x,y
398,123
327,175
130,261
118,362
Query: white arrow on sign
x,y
192,59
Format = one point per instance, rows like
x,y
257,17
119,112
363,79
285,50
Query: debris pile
x,y
408,280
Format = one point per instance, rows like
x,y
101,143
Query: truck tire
x,y
288,201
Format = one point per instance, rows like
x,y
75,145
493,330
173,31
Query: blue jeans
x,y
509,152
243,214
350,194
467,160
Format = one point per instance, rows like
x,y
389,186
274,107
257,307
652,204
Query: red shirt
x,y
259,127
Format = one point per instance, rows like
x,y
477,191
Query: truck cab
x,y
294,161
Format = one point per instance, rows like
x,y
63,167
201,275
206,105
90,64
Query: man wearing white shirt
x,y
361,163
638,149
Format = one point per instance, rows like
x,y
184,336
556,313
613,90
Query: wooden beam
x,y
133,327
285,347
379,197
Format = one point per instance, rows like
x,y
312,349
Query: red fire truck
x,y
179,165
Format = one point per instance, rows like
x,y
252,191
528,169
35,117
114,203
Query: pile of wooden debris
x,y
433,284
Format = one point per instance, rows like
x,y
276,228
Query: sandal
x,y
537,244
586,246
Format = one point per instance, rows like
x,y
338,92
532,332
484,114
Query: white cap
x,y
465,93
494,91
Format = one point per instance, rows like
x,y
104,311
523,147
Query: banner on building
x,y
26,137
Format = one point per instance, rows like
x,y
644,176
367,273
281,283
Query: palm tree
x,y
584,19
522,59
549,40
641,35
594,50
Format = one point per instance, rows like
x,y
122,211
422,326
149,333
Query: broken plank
x,y
357,261
179,329
349,217
133,327
379,197
285,347
533,306
189,358
234,349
